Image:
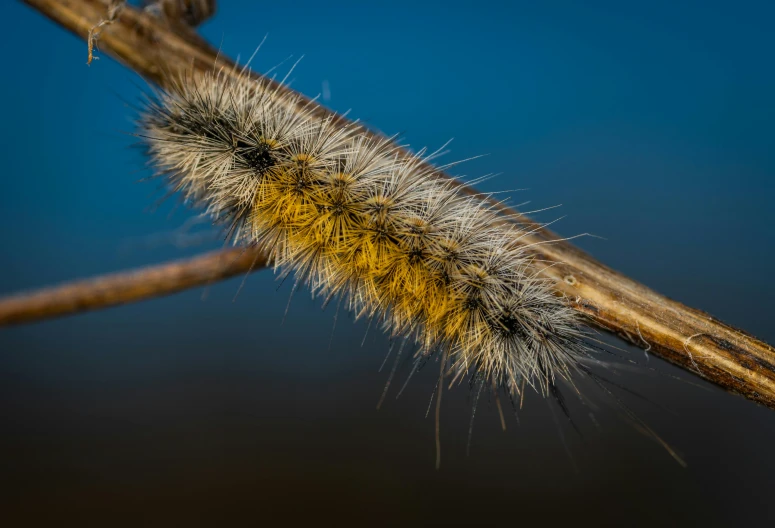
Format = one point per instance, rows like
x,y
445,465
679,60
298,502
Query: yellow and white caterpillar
x,y
354,217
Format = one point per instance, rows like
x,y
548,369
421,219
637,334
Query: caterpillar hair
x,y
351,216
354,216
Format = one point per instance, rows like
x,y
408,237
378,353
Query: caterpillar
x,y
355,217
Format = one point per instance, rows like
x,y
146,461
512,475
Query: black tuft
x,y
508,325
257,157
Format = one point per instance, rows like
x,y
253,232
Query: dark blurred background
x,y
650,122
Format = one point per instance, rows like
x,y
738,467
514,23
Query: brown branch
x,y
687,337
127,287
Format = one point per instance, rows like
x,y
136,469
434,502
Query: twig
x,y
114,10
132,286
729,357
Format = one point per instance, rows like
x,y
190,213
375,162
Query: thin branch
x,y
114,10
127,287
685,336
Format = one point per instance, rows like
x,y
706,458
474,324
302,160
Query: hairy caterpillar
x,y
352,217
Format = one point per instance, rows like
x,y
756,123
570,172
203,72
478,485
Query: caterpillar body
x,y
355,216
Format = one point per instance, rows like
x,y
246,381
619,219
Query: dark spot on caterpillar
x,y
381,231
418,229
257,157
416,255
301,180
450,255
338,206
508,325
472,302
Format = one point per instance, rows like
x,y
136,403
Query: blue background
x,y
650,122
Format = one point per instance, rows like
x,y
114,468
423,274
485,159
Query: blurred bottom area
x,y
203,423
